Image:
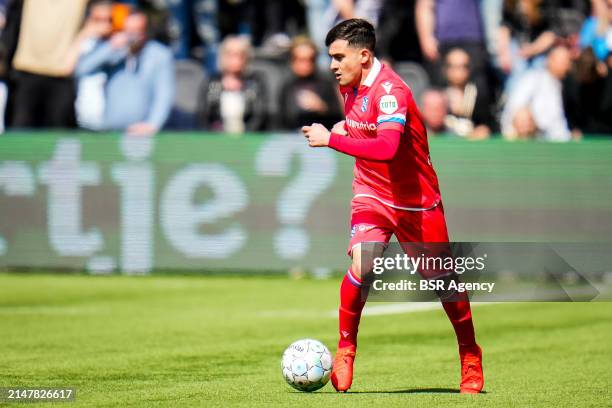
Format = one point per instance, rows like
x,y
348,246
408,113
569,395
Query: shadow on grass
x,y
412,391
406,391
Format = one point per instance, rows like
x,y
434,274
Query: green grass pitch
x,y
217,341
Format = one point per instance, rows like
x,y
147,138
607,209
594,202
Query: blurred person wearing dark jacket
x,y
525,36
43,91
434,108
308,96
396,37
234,101
140,72
469,111
588,95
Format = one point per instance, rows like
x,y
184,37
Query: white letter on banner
x,y
17,179
180,217
65,175
137,181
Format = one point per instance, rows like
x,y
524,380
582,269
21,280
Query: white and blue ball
x,y
307,365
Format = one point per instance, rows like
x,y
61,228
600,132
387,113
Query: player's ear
x,y
365,55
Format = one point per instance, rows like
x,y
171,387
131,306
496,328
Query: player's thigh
x,y
371,224
424,234
422,226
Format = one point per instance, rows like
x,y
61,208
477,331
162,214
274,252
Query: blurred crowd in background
x,y
522,68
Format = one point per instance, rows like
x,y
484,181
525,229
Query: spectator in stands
x,y
195,19
140,85
43,92
446,24
469,111
588,95
597,29
524,126
234,101
3,86
396,36
272,23
322,15
307,96
90,100
540,91
434,107
524,37
367,9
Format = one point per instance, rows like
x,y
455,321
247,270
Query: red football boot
x,y
342,371
472,378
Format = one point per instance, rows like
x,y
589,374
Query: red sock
x,y
351,305
460,315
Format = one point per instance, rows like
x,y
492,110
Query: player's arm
x,y
382,148
391,110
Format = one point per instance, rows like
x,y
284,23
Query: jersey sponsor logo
x,y
364,104
388,104
387,85
360,125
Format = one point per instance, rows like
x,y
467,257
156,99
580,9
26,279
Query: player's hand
x,y
317,135
339,129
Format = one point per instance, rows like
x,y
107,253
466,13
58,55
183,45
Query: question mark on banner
x,y
316,173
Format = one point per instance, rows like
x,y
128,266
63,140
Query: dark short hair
x,y
358,32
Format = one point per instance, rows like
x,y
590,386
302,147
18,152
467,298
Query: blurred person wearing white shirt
x,y
540,91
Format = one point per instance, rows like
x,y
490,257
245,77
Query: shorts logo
x,y
361,228
388,104
364,104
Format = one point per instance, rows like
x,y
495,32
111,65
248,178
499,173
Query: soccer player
x,y
395,186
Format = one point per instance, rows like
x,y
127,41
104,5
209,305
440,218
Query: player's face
x,y
347,62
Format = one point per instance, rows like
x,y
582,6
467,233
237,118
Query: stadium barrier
x,y
209,202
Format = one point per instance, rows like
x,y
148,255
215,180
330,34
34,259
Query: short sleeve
x,y
391,107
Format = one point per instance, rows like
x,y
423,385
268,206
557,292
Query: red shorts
x,y
373,221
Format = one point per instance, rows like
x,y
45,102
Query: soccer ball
x,y
306,365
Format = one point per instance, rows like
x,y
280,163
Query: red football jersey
x,y
384,101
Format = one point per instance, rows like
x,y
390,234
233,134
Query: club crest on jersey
x,y
364,104
387,85
388,104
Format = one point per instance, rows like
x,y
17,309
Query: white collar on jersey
x,y
376,67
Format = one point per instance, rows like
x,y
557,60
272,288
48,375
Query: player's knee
x,y
359,269
356,269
